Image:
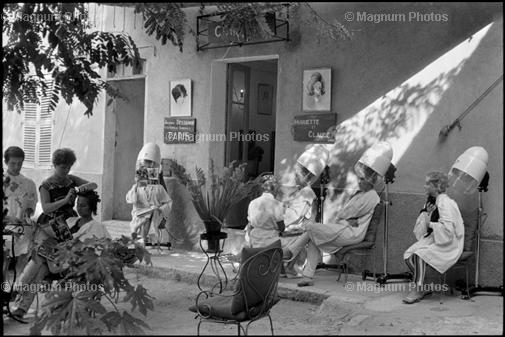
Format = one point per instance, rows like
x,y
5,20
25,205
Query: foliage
x,y
214,198
168,20
52,40
165,19
334,30
95,270
250,18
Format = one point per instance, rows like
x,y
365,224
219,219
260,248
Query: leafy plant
x,y
213,198
167,20
95,271
52,41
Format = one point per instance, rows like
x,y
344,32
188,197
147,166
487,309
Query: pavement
x,y
356,298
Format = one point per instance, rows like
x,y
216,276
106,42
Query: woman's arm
x,y
48,207
443,229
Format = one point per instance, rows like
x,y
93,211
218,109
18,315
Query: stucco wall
x,y
388,83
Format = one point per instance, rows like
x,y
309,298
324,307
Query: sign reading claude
x,y
179,130
315,128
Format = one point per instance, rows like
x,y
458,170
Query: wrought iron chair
x,y
364,248
254,295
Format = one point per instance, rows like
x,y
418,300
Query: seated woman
x,y
151,202
440,233
300,210
81,227
348,228
265,216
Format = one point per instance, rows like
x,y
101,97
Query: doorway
x,y
250,123
129,139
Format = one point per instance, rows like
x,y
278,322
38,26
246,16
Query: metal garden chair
x,y
254,295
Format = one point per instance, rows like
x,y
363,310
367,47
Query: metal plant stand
x,y
213,253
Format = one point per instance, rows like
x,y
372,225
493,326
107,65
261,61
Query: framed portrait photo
x,y
265,99
316,89
180,98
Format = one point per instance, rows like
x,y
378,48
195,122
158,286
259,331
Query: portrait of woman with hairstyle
x,y
179,93
180,98
317,90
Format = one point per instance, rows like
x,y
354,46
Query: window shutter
x,y
38,131
45,144
45,127
30,133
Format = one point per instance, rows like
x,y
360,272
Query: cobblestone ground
x,y
172,317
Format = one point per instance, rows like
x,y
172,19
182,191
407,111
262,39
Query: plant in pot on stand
x,y
214,198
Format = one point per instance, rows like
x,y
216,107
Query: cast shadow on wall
x,y
400,112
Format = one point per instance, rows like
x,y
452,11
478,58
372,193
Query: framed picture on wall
x,y
265,99
317,89
180,98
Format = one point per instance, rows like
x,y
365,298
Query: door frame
x,y
231,67
109,139
218,76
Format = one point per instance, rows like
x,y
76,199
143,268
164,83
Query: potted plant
x,y
213,198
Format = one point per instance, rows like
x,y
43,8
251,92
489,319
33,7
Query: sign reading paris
x,y
179,130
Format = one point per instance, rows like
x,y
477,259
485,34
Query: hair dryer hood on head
x,y
314,159
469,169
150,151
378,158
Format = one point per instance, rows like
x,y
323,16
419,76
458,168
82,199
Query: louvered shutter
x,y
38,131
30,133
45,128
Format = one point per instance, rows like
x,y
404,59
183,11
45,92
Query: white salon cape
x,y
330,237
263,214
91,229
151,199
299,209
443,247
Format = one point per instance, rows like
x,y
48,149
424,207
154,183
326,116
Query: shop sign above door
x,y
315,128
211,33
179,130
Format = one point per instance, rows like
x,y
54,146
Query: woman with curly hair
x,y
265,215
84,226
440,233
58,192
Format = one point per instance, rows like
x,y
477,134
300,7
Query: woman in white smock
x,y
440,232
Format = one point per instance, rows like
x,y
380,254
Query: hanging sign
x,y
315,128
179,130
213,33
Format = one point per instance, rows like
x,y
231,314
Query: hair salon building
x,y
408,71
